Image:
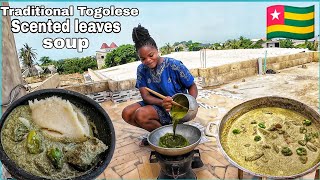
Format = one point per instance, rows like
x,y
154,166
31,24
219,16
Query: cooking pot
x,y
89,108
188,101
191,133
270,101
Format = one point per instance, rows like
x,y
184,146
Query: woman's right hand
x,y
167,103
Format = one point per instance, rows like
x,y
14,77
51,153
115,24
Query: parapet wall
x,y
116,91
99,86
52,82
119,91
226,73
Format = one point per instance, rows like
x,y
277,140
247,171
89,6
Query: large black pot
x,y
90,108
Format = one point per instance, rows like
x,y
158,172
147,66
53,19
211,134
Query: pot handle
x,y
14,94
153,158
196,160
210,131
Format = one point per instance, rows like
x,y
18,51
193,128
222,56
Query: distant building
x,y
297,42
104,50
51,69
264,43
31,71
272,44
255,40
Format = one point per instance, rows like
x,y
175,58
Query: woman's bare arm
x,y
148,98
193,90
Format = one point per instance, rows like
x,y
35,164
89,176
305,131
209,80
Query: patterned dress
x,y
168,78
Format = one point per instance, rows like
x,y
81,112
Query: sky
x,y
167,22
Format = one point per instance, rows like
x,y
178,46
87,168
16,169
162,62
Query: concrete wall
x,y
94,76
226,73
52,82
100,59
109,85
88,88
11,71
282,62
210,76
222,74
316,56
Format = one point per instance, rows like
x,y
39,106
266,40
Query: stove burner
x,y
177,167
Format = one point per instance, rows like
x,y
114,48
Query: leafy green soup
x,y
173,140
29,147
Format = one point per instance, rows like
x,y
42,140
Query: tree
x,y
45,60
286,43
176,43
227,44
257,44
178,48
235,44
75,65
232,44
167,49
195,47
244,43
313,46
27,55
122,55
188,43
216,46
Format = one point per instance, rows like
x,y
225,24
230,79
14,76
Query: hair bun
x,y
140,34
141,37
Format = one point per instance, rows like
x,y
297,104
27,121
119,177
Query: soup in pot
x,y
51,138
272,141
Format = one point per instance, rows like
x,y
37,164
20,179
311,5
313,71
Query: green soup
x,y
177,113
173,140
30,149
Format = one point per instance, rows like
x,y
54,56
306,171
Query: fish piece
x,y
83,155
254,157
311,147
302,142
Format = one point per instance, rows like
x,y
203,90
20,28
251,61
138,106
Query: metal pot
x,y
90,108
270,101
191,133
188,101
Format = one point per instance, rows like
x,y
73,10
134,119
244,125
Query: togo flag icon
x,y
290,22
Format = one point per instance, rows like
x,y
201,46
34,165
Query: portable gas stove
x,y
177,167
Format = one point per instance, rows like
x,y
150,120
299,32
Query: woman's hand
x,y
167,103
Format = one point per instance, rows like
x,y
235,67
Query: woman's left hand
x,y
167,103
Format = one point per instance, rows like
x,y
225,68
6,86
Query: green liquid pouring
x,y
173,140
177,114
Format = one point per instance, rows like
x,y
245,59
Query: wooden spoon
x,y
163,97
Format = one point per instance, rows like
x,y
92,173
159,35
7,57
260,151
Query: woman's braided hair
x,y
141,37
